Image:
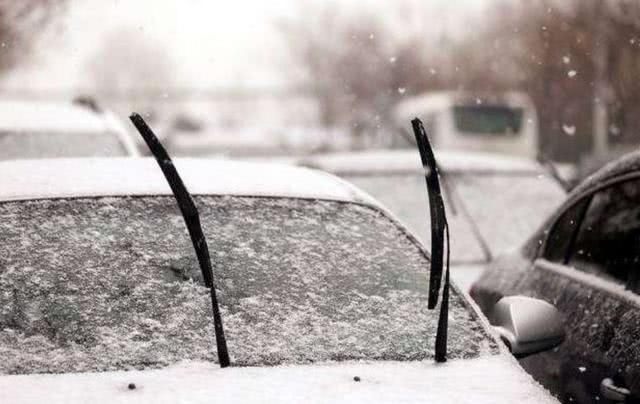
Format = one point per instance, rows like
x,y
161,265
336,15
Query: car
x,y
492,199
47,129
322,293
584,260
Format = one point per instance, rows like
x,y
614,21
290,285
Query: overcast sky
x,y
211,42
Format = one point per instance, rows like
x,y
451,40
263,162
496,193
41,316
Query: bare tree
x,y
577,59
128,64
357,68
20,23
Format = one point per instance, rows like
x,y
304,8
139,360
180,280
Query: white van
x,y
500,123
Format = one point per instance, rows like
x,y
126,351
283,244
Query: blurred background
x,y
256,78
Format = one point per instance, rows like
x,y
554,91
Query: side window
x,y
608,241
564,231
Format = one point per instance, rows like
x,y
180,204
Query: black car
x,y
584,260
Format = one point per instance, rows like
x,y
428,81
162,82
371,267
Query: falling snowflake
x,y
566,60
614,130
569,129
392,59
572,73
402,90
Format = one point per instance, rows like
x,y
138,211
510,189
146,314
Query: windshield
x,y
519,205
488,120
112,283
406,196
32,145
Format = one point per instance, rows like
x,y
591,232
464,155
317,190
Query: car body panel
x,y
601,316
92,177
496,379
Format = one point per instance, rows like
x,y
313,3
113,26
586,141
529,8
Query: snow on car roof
x,y
624,165
403,161
478,381
41,116
92,177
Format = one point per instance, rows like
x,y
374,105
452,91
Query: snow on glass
x,y
113,283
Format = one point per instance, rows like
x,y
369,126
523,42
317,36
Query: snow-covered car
x,y
493,201
584,260
39,129
323,294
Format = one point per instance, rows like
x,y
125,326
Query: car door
x,y
588,268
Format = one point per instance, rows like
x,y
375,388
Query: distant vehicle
x,y
584,259
492,200
497,123
37,129
322,293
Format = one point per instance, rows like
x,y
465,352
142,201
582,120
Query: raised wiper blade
x,y
192,220
439,229
552,170
436,207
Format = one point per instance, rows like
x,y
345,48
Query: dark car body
x,y
584,260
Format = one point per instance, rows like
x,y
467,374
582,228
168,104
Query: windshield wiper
x,y
439,229
552,170
192,220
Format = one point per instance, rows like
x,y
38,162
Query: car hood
x,y
491,379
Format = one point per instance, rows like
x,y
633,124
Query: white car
x,y
493,201
39,129
323,294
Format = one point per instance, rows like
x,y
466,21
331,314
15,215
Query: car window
x,y
608,241
487,120
113,283
32,145
563,232
406,196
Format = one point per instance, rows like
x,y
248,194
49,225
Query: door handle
x,y
610,391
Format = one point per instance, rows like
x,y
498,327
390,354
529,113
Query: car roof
x,y
408,161
627,164
48,116
94,177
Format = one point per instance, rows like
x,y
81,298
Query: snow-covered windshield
x,y
31,145
113,283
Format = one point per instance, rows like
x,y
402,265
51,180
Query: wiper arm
x,y
436,207
439,228
192,220
552,170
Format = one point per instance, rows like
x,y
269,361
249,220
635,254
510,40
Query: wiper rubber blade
x,y
439,229
436,206
192,220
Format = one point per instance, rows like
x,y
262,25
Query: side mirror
x,y
527,325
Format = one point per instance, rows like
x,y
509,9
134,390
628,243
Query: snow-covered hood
x,y
494,379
